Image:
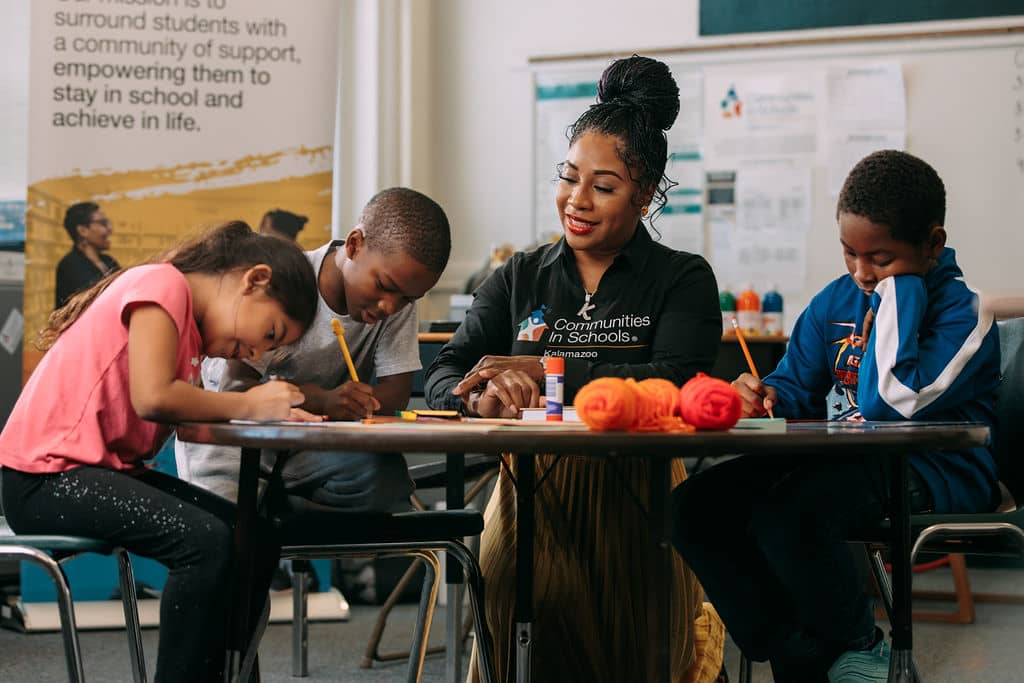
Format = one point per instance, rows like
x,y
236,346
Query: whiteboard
x,y
964,116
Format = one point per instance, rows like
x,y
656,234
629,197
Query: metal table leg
x,y
238,629
659,595
523,637
455,466
901,665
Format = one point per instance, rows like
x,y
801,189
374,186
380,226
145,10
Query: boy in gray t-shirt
x,y
391,258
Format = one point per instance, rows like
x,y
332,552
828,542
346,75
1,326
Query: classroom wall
x,y
483,102
483,109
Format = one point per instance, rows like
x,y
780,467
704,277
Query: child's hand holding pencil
x,y
352,400
758,398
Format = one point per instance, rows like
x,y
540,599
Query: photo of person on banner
x,y
86,263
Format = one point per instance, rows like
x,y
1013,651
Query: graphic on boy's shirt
x,y
533,327
849,349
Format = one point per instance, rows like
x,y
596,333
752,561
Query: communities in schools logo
x,y
732,106
533,327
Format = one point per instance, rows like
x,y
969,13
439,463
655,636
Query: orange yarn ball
x,y
709,403
665,393
646,416
607,404
665,396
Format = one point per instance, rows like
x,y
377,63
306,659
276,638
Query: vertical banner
x,y
174,115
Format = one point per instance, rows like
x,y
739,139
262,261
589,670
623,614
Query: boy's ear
x,y
936,241
256,277
354,241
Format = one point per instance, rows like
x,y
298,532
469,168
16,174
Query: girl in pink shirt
x,y
123,364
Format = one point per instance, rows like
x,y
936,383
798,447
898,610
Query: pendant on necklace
x,y
587,307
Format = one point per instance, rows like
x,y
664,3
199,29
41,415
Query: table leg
x,y
901,665
455,499
523,637
248,483
659,595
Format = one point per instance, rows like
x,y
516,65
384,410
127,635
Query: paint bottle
x,y
748,311
554,387
771,312
727,302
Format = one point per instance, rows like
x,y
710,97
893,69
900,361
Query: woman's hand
x,y
505,394
273,400
757,398
490,367
350,401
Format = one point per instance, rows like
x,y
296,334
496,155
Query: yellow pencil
x,y
340,334
746,352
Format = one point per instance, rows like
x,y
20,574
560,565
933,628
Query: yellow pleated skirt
x,y
591,580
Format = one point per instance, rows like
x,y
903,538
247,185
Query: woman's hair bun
x,y
644,83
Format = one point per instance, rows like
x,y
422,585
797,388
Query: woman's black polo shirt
x,y
655,314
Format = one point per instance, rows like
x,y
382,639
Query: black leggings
x,y
152,514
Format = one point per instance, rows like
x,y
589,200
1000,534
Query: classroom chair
x,y
48,552
993,534
328,534
481,470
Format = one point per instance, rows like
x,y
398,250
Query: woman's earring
x,y
643,211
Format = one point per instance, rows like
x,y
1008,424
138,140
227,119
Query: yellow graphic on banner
x,y
150,210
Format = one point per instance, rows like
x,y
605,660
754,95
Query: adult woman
x,y
611,301
86,264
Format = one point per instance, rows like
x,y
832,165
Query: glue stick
x,y
554,387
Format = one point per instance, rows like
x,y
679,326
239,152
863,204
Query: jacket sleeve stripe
x,y
903,399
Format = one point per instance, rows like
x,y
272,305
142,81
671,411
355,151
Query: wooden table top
x,y
826,438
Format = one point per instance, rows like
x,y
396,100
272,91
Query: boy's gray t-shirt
x,y
388,347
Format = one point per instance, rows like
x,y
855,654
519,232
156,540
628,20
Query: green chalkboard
x,y
719,17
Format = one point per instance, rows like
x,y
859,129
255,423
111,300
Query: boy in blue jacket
x,y
899,338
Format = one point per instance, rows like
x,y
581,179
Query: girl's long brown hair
x,y
231,246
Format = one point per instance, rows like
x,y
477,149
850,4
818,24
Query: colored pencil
x,y
340,334
746,352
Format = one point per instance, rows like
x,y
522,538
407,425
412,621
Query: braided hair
x,y
637,101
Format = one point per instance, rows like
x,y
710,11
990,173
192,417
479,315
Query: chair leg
x,y
428,598
746,669
66,608
475,585
300,620
881,579
372,652
130,604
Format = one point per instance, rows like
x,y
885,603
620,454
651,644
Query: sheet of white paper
x,y
846,149
866,111
12,331
760,117
866,96
773,217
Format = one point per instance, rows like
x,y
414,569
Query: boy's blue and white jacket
x,y
930,355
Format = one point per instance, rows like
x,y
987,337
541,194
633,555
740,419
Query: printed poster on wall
x,y
173,116
758,117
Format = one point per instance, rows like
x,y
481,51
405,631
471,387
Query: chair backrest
x,y
1009,431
